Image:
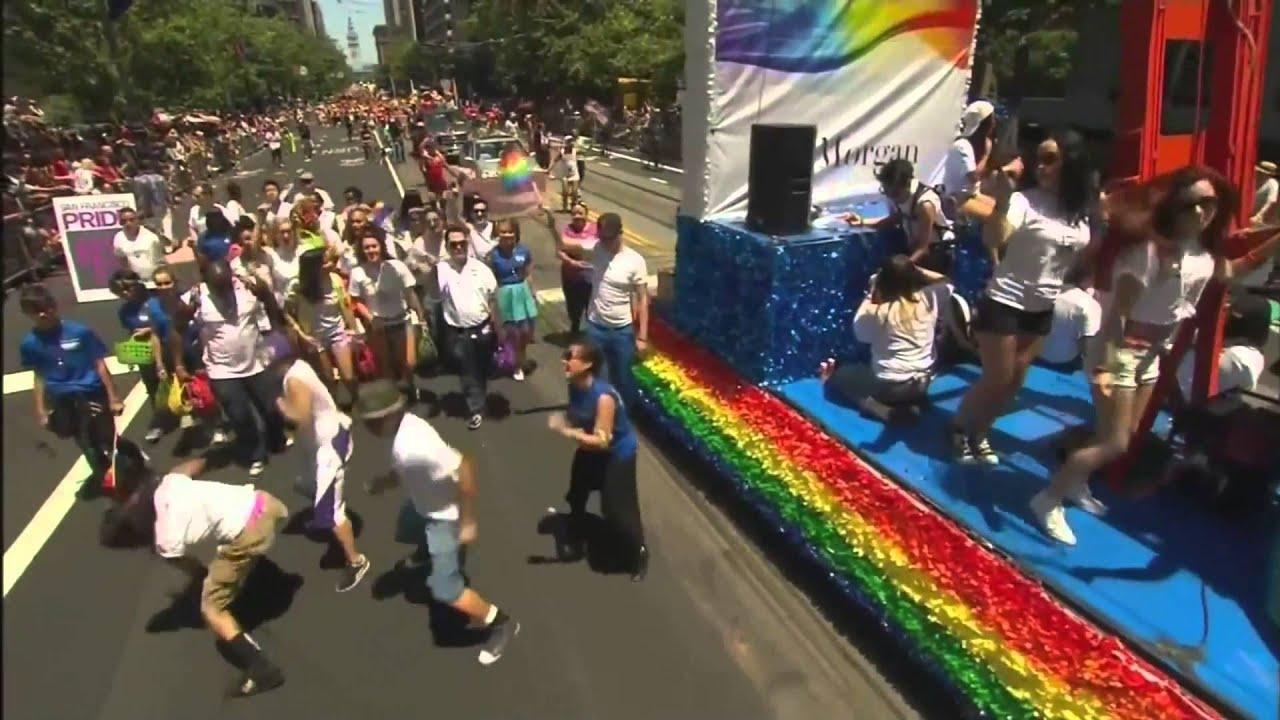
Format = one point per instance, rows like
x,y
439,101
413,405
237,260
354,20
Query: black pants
x,y
472,351
87,419
615,478
248,401
577,293
855,385
151,381
277,156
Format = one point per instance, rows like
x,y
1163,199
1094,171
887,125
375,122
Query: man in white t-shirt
x,y
277,210
183,519
468,291
1266,201
440,485
1077,316
1246,331
138,249
618,312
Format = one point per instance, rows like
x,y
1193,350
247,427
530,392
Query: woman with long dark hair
x,y
1041,232
385,286
322,319
899,320
969,161
606,457
1165,245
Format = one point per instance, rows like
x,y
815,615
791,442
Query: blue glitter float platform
x,y
1183,584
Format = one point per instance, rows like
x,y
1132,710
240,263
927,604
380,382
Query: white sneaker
x,y
186,422
256,469
1052,518
1085,500
518,375
153,435
219,438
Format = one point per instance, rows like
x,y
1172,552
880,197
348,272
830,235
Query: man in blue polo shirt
x,y
74,394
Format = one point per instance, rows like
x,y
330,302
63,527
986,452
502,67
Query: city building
x,y
438,20
318,15
353,43
383,40
301,12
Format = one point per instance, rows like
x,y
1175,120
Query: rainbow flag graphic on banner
x,y
995,638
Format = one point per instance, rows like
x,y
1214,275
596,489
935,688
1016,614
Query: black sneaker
x,y
501,632
961,451
353,574
981,450
265,680
642,565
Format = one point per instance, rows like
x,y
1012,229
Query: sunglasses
x,y
457,245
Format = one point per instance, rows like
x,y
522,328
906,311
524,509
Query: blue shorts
x,y
445,581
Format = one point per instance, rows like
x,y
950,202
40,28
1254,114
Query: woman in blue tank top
x,y
606,457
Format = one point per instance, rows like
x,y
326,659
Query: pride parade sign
x,y
88,225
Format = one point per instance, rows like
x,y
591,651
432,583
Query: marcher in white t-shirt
x,y
1241,363
481,231
968,161
1041,231
181,518
1266,211
385,287
440,485
468,292
139,249
198,218
229,314
618,312
325,436
1077,316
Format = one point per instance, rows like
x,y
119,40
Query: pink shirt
x,y
584,239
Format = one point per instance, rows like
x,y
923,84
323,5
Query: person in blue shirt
x,y
512,262
606,457
143,318
74,394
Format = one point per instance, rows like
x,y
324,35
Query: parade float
x,y
1158,612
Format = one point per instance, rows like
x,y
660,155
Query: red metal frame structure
x,y
1234,36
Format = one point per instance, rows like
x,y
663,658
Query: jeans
x,y
472,350
446,581
397,150
246,402
619,348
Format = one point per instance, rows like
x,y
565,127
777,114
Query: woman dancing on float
x,y
1167,238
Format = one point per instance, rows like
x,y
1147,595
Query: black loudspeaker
x,y
780,181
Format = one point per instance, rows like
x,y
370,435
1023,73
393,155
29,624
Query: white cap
x,y
973,116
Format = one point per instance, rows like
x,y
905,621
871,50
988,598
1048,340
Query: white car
x,y
483,155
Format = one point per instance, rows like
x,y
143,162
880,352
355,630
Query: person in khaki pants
x,y
177,514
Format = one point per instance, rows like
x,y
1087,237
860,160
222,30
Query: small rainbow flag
x,y
516,171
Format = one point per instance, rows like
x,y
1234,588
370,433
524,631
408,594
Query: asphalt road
x,y
716,631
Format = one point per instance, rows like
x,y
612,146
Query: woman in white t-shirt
x,y
1153,284
899,320
1041,232
322,319
198,218
385,287
282,252
566,168
968,161
234,208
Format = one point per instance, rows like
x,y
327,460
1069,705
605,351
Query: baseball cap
x,y
973,116
609,225
306,175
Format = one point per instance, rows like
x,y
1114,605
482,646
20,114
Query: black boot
x,y
260,674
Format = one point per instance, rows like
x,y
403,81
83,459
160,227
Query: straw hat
x,y
1266,167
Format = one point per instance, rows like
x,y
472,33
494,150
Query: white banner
x,y
879,79
88,225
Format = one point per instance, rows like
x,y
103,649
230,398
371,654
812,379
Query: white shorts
x,y
329,475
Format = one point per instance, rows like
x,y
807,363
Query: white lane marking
x,y
26,380
553,295
601,162
37,532
659,180
391,168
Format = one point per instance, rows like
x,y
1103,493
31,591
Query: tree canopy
x,y
176,53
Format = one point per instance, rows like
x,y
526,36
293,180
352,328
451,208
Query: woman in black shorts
x,y
1040,233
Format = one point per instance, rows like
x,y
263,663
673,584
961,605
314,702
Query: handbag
x,y
175,398
504,353
366,363
199,395
428,353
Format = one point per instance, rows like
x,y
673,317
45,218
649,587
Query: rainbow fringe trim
x,y
993,636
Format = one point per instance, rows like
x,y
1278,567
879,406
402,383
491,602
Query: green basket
x,y
134,352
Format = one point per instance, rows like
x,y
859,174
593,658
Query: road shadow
x,y
333,558
267,594
595,542
454,405
407,579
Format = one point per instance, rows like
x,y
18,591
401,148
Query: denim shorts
x,y
445,581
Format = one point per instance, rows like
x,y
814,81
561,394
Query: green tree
x,y
1046,29
580,47
179,53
